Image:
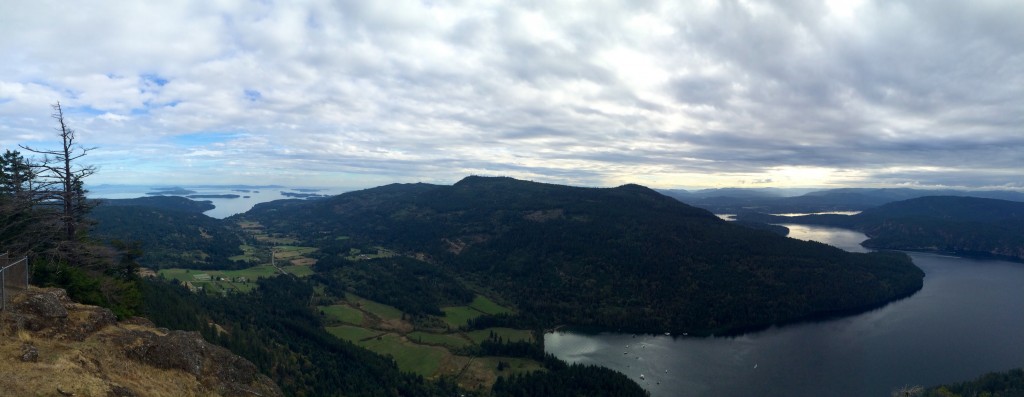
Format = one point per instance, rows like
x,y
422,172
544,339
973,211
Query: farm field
x,y
447,340
243,280
342,313
248,254
351,333
383,330
419,359
457,316
378,309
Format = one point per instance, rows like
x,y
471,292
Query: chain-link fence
x,y
13,277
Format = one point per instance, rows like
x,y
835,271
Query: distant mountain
x,y
847,199
966,225
626,257
172,230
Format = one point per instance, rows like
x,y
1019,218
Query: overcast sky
x,y
668,94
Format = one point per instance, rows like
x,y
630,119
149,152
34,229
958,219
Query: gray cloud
x,y
663,93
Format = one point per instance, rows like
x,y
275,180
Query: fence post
x,y
3,290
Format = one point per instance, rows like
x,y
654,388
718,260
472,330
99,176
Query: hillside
x,y
626,258
172,232
52,346
965,225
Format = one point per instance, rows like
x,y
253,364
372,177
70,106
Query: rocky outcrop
x,y
214,366
50,345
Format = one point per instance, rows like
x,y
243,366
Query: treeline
x,y
996,384
276,329
44,215
574,380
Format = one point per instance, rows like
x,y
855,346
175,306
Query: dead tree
x,y
60,177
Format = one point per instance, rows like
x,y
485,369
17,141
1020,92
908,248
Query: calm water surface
x,y
224,207
968,319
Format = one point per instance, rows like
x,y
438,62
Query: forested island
x,y
951,224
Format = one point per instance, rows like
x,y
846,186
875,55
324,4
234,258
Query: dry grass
x,y
88,368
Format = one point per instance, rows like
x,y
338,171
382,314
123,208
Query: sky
x,y
668,94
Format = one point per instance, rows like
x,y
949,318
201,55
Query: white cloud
x,y
595,93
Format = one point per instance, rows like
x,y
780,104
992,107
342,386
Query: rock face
x,y
50,345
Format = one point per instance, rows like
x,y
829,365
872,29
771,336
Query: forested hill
x,y
163,202
626,257
966,225
172,232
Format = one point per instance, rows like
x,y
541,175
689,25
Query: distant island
x,y
302,195
221,196
170,191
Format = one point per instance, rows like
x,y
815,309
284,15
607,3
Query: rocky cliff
x,y
52,346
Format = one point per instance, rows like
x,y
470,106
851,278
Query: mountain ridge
x,y
625,257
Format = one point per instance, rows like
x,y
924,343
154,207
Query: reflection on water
x,y
964,322
819,213
843,238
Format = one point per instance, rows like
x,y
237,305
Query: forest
x,y
170,232
952,224
623,258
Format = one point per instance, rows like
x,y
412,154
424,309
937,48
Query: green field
x,y
448,340
379,309
291,251
457,316
300,271
418,359
351,333
506,334
251,273
217,281
488,306
342,313
276,240
248,254
429,354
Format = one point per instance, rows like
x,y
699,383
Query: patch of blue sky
x,y
253,95
154,78
87,110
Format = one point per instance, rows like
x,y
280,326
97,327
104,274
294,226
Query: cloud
x,y
663,93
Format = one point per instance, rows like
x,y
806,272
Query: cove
x,y
968,319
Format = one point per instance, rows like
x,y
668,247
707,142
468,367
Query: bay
x,y
967,320
249,196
